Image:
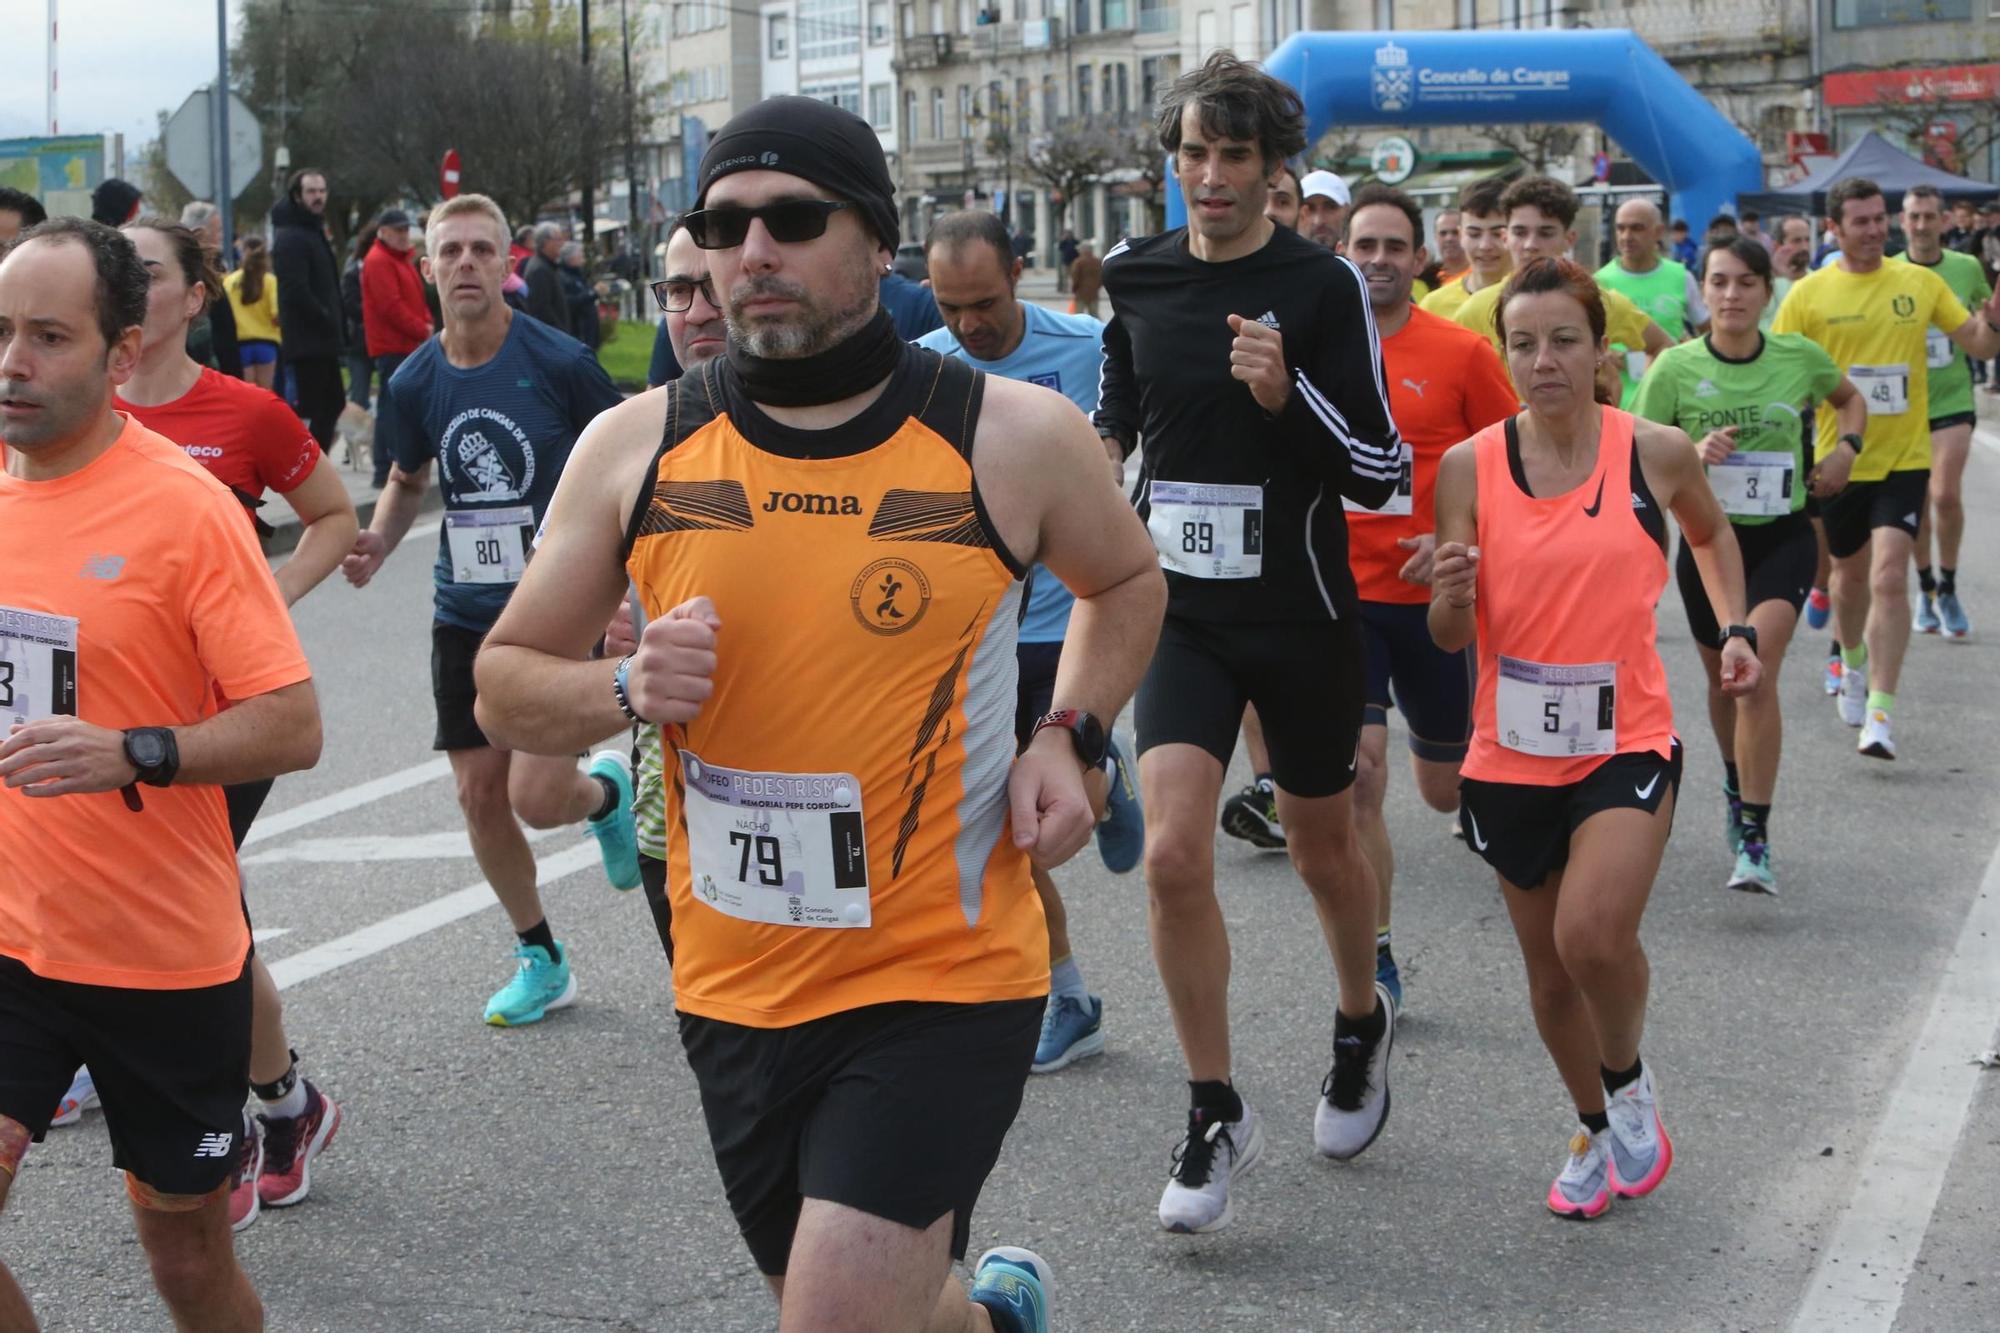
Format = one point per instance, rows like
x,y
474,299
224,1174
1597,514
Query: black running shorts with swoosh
x,y
1524,831
1306,678
895,1110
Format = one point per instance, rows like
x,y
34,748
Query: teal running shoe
x,y
617,836
1732,814
1016,1283
1753,872
539,985
1926,619
1952,615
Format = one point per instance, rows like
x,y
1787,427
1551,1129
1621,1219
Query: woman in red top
x,y
1570,783
252,443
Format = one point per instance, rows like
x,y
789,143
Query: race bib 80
x,y
490,545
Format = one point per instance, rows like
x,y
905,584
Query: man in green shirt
x,y
1661,287
1952,417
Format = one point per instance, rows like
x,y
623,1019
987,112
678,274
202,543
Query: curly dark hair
x,y
19,201
122,281
1546,193
1236,100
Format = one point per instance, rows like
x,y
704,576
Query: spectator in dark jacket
x,y
546,301
115,202
309,301
360,370
584,324
212,338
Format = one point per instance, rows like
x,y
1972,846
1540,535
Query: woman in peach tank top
x,y
1551,530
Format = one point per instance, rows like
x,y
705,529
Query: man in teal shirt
x,y
1952,417
1661,287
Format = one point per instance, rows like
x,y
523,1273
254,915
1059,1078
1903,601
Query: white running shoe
x,y
1641,1152
82,1095
1853,697
1206,1164
1583,1190
1876,742
1354,1099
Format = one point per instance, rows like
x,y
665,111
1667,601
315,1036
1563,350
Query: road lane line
x,y
451,844
1859,1281
348,798
1987,437
406,926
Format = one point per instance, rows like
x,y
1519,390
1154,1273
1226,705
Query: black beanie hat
x,y
816,141
113,200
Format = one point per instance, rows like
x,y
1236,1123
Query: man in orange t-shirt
x,y
133,602
1445,383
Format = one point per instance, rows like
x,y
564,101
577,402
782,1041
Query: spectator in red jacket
x,y
395,318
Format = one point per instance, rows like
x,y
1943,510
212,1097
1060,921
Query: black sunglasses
x,y
789,222
677,294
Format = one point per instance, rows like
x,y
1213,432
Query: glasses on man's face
x,y
677,294
789,221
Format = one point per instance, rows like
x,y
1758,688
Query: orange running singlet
x,y
1568,671
837,830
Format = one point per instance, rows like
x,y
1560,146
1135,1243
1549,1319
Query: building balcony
x,y
925,50
1688,29
1012,38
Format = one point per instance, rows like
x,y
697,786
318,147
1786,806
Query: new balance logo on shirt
x,y
106,567
215,1145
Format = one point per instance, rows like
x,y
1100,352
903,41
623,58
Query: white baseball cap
x,y
1328,184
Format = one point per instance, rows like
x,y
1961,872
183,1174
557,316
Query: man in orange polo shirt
x,y
1445,384
145,659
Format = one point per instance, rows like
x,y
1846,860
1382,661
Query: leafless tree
x,y
1066,160
1537,145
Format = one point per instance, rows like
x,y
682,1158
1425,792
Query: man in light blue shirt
x,y
973,276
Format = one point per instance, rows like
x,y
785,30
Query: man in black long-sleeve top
x,y
309,301
546,300
1244,358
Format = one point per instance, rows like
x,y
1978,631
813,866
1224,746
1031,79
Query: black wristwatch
x,y
1851,439
1086,733
1747,633
155,753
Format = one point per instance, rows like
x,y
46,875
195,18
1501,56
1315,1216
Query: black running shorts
x,y
452,652
1034,689
245,799
1304,676
1779,560
170,1068
895,1110
1524,831
1896,501
1429,686
1950,419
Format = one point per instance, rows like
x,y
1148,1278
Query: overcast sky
x,y
122,62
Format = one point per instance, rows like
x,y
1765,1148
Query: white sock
x,y
291,1105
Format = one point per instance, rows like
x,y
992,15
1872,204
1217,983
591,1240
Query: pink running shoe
x,y
291,1145
1583,1190
249,1167
1641,1152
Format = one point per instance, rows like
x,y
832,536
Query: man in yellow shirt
x,y
1873,320
1541,224
1483,233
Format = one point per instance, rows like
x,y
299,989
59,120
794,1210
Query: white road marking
x,y
275,824
268,933
448,845
1859,1281
405,926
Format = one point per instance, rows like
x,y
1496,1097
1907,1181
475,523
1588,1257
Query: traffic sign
x,y
448,174
189,137
1393,160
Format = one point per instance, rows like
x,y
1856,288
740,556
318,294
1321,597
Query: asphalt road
x,y
559,1177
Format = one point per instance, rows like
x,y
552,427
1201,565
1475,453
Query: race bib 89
x,y
1205,531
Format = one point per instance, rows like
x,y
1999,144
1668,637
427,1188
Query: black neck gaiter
x,y
863,358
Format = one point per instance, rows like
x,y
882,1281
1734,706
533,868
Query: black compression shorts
x,y
1305,678
1430,687
1779,560
1852,515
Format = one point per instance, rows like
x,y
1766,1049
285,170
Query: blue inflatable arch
x,y
1608,76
